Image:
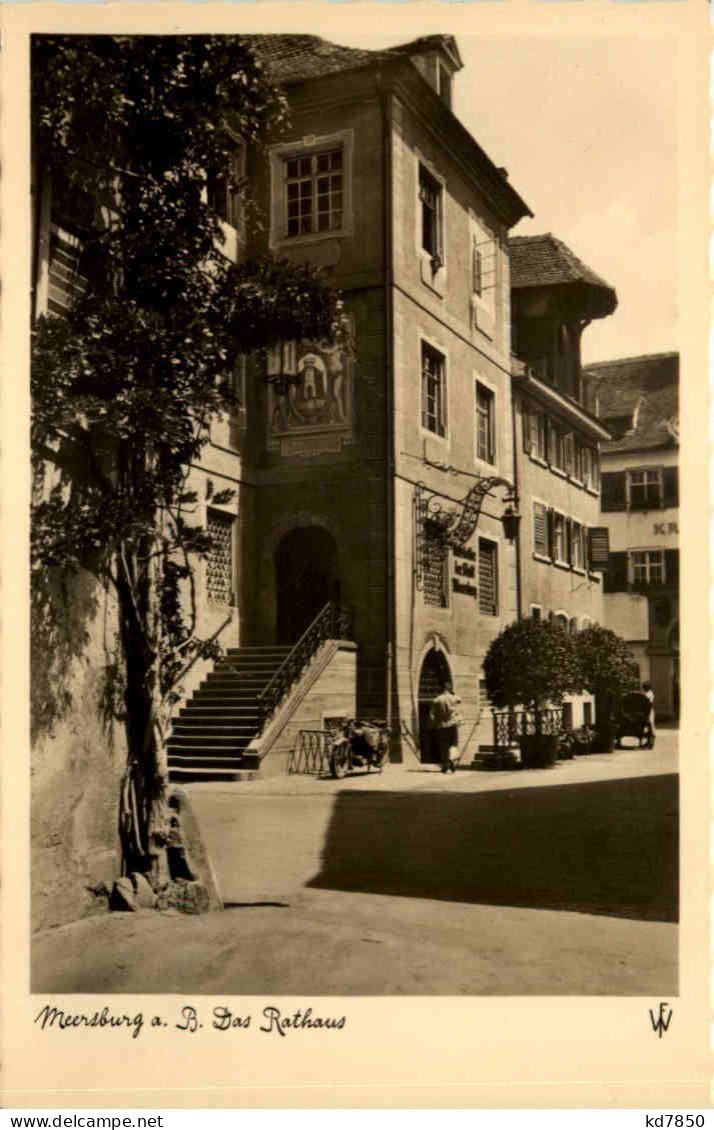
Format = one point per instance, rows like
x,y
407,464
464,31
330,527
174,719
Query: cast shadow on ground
x,y
606,847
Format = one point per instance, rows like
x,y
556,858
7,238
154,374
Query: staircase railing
x,y
331,623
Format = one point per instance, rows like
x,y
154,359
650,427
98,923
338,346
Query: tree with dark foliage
x,y
129,131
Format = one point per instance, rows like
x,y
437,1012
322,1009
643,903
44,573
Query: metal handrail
x,y
332,622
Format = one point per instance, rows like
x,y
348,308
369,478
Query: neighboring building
x,y
639,404
554,297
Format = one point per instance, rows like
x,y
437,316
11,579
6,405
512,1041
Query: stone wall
x,y
78,749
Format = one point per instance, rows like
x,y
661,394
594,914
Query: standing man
x,y
444,718
647,690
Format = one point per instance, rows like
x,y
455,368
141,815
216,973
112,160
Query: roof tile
x,y
648,384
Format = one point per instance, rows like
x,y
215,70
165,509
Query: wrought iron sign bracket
x,y
439,527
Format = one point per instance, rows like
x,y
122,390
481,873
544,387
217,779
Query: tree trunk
x,y
143,814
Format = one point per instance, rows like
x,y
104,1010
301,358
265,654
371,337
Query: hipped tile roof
x,y
544,260
292,58
647,390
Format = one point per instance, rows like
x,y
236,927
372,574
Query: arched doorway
x,y
434,672
306,577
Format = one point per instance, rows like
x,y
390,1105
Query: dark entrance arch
x,y
434,672
306,577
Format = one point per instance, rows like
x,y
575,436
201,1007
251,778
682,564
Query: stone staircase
x,y
213,729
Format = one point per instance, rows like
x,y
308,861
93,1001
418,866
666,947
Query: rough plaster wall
x,y
78,750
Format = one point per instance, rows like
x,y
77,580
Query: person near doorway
x,y
444,718
649,693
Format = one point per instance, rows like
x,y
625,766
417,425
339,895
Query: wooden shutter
x,y
599,556
541,541
614,491
671,567
526,425
488,578
670,486
616,577
569,453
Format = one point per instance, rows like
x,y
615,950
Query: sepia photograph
x,y
355,578
354,539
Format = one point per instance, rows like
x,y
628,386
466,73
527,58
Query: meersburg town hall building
x,y
463,404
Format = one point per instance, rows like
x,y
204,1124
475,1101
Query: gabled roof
x,y
645,389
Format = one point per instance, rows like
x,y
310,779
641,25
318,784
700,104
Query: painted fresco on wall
x,y
314,415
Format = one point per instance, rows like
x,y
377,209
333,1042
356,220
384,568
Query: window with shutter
x,y
540,530
488,577
647,566
645,488
614,496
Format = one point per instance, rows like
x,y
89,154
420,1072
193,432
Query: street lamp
x,y
511,520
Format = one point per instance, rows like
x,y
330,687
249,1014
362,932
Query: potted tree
x,y
607,671
532,664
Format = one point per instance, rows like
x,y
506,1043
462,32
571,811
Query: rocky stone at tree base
x,y
188,896
144,892
123,896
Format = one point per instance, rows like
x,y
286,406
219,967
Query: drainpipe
x,y
516,500
389,378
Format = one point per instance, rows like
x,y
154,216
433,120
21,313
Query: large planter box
x,y
539,751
